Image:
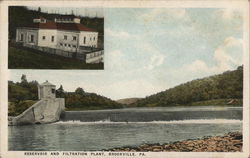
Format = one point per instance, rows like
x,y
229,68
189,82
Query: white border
x,y
4,72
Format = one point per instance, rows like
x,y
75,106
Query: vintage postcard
x,y
175,81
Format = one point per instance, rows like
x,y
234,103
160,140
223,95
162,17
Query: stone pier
x,y
47,110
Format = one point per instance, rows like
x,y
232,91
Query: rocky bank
x,y
231,142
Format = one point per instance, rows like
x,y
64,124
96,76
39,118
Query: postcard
x,y
124,79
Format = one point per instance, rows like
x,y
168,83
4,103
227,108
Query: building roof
x,y
66,16
47,84
60,26
73,26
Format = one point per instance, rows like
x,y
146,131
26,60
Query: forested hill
x,y
22,16
23,94
227,86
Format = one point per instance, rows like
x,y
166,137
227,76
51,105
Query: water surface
x,y
105,129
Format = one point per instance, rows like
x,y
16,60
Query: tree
x,y
79,91
23,79
24,82
39,9
60,92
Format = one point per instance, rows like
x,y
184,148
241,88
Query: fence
x,y
51,50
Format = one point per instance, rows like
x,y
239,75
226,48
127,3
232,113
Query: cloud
x,y
197,65
158,13
128,88
223,56
232,42
155,61
228,13
115,59
118,34
152,56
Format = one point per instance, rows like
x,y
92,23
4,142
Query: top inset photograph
x,y
55,38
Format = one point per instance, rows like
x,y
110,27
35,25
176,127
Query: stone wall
x,y
44,111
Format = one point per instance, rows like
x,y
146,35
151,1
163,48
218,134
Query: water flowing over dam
x,y
105,129
154,114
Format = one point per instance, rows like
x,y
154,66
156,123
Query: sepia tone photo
x,y
55,38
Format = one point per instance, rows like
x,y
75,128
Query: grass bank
x,y
15,109
27,58
213,102
218,102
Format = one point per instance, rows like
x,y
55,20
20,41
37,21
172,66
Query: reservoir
x,y
105,129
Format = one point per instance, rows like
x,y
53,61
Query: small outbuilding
x,y
46,90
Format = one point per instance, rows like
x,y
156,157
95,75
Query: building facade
x,y
64,33
46,90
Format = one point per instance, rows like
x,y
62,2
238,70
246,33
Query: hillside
x,y
81,100
222,89
23,94
127,101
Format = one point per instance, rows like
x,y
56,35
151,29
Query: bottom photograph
x,y
202,115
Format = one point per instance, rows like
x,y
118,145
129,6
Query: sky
x,y
150,50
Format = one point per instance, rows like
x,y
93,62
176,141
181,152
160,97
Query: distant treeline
x,y
228,85
22,16
22,93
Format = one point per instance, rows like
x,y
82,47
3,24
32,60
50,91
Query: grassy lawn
x,y
219,102
15,109
213,102
25,58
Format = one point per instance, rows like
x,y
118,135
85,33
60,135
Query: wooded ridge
x,y
227,86
222,89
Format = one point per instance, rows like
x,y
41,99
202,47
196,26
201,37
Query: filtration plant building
x,y
65,33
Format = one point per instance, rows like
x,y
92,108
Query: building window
x,y
31,38
84,40
65,37
69,45
53,91
90,38
74,46
61,44
21,37
74,38
44,37
65,45
52,38
93,38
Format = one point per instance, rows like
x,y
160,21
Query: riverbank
x,y
231,142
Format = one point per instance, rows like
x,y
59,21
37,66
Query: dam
x,y
105,129
47,110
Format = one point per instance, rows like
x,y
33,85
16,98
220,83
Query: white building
x,y
46,90
65,33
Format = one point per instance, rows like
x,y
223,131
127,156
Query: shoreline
x,y
230,142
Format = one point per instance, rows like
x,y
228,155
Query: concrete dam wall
x,y
47,110
44,111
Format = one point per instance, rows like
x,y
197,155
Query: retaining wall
x,y
44,111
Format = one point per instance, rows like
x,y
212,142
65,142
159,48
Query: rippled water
x,y
104,129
